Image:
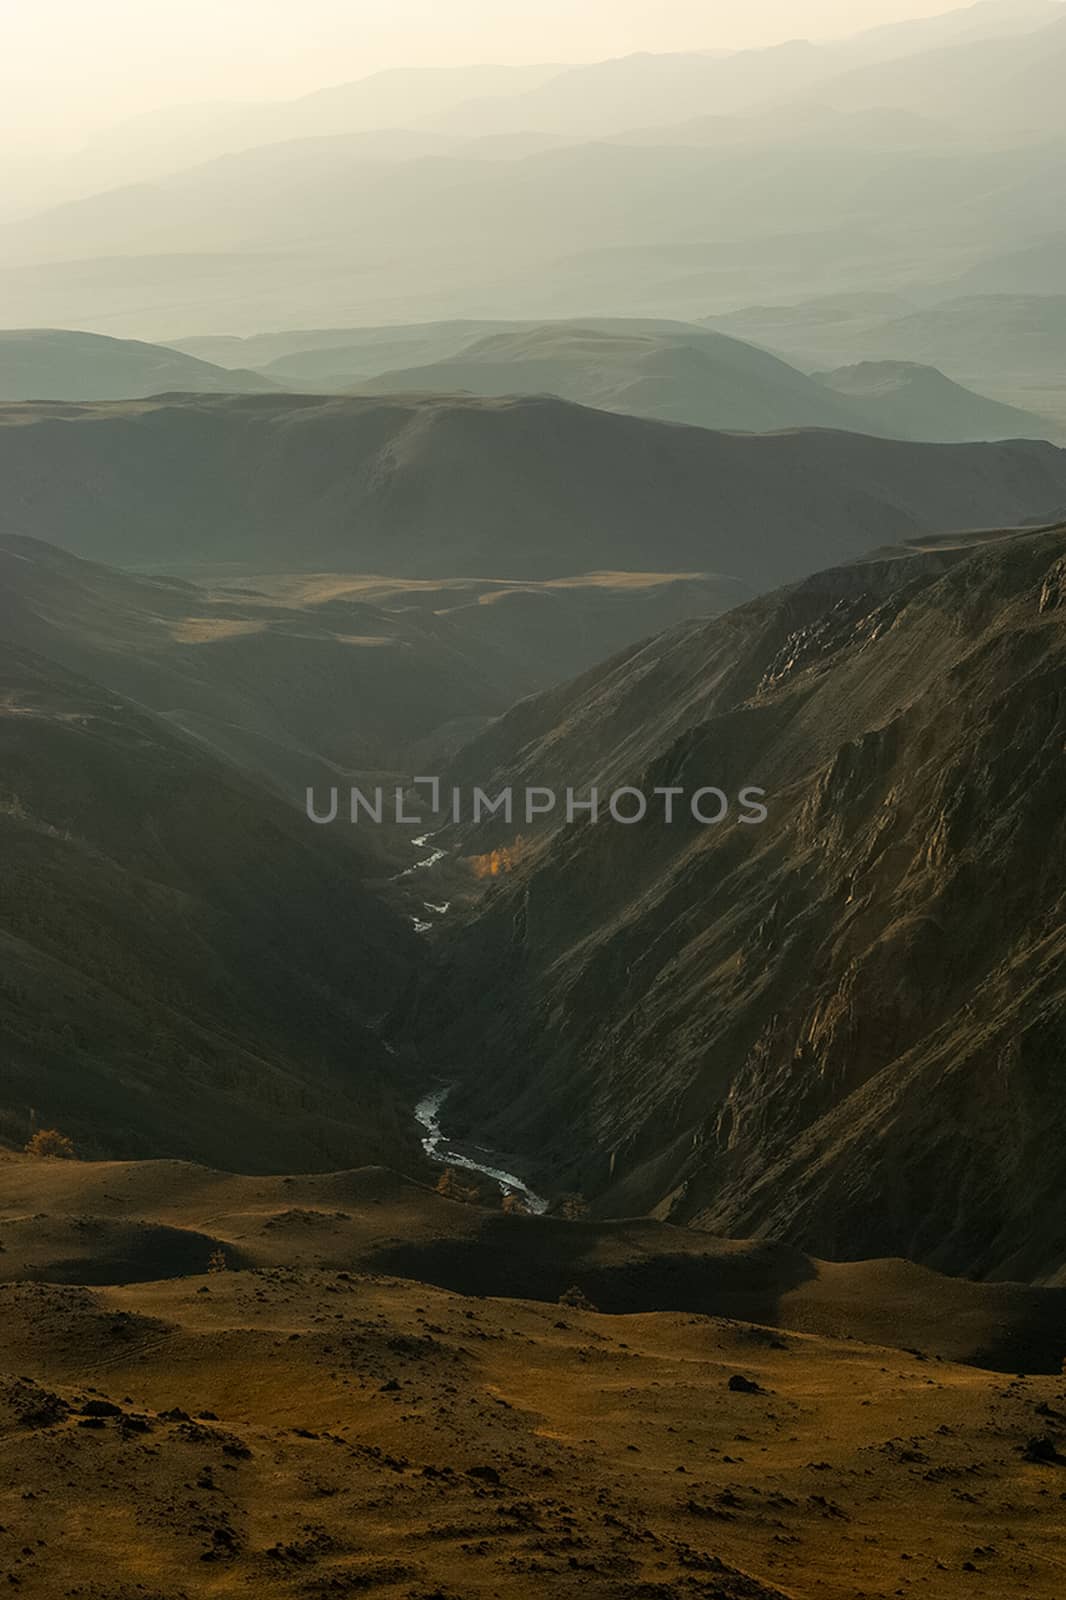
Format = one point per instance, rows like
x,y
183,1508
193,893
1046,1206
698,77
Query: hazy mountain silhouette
x,y
873,162
911,401
684,375
1010,346
57,364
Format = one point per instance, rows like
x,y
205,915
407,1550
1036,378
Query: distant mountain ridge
x,y
680,374
60,364
528,488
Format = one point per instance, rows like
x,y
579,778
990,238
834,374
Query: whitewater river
x,y
435,1142
471,1157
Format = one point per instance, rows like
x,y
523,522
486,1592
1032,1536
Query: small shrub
x,y
514,1205
576,1299
50,1144
216,1261
574,1207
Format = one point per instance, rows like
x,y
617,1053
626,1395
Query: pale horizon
x,y
73,71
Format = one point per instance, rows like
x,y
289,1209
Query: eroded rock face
x,y
846,1027
1053,589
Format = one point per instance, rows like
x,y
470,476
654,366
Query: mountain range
x,y
447,487
672,371
680,185
683,375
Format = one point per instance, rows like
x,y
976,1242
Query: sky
x,y
69,66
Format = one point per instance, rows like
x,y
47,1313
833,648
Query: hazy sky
x,y
69,65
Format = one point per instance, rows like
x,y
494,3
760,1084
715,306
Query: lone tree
x,y
452,1187
576,1299
49,1143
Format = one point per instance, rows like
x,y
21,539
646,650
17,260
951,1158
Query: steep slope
x,y
910,401
189,968
843,1028
451,487
57,364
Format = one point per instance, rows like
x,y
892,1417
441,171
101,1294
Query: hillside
x,y
453,487
188,968
301,680
910,401
303,1421
57,364
1011,346
376,1221
841,1028
688,375
684,376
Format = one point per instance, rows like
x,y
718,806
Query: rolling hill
x,y
842,1028
679,374
452,487
908,401
1012,346
58,364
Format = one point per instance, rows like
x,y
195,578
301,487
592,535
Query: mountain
x,y
874,68
1010,345
384,108
306,681
189,968
325,231
841,1028
452,487
1001,85
356,352
57,364
683,374
910,401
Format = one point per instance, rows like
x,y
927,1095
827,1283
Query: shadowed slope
x,y
842,1028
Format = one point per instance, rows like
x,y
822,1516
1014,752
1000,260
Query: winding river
x,y
471,1157
435,1142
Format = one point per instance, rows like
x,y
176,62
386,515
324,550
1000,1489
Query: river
x,y
471,1157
